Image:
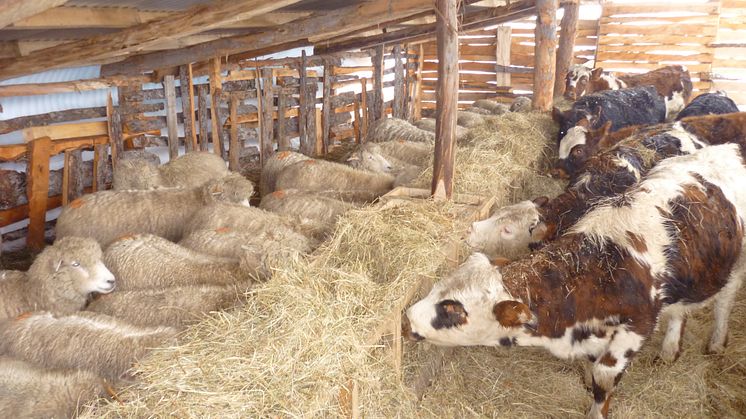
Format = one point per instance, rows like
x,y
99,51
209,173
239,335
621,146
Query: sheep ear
x,y
596,73
511,313
354,157
541,201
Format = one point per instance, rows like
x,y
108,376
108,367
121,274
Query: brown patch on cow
x,y
222,230
719,129
282,155
127,236
499,261
77,203
278,194
608,360
23,316
666,80
637,242
511,313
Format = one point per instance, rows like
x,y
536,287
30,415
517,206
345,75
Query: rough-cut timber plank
x,y
356,123
364,105
37,189
327,109
23,122
314,28
100,167
72,176
568,27
203,113
14,10
302,97
171,120
283,141
114,128
447,99
502,53
117,45
216,87
71,86
377,102
418,81
399,92
546,41
234,152
319,149
266,100
187,107
312,121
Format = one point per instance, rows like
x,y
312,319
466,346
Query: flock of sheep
x,y
133,266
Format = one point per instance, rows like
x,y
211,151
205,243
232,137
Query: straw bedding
x,y
306,336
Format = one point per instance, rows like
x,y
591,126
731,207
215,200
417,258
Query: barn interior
x,y
85,83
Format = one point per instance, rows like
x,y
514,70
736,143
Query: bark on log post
x,y
216,87
37,183
283,142
568,29
234,152
356,122
171,118
546,42
100,167
114,121
203,113
187,106
502,54
327,109
377,103
364,105
313,120
267,107
418,92
50,118
446,99
72,176
302,108
399,92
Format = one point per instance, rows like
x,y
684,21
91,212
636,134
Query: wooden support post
x,y
100,166
327,108
364,105
303,108
377,103
114,123
72,176
356,122
446,99
546,42
203,117
266,99
319,132
187,106
399,91
502,54
283,142
568,28
407,85
216,88
234,152
312,124
418,92
37,189
172,123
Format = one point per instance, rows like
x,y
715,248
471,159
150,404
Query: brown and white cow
x,y
672,244
672,82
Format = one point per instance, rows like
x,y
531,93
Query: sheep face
x,y
233,188
76,265
370,158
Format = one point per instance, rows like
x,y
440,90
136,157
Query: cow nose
x,y
559,173
416,337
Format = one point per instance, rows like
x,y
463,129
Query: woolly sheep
x,y
60,279
309,209
469,119
27,391
268,246
478,110
428,124
107,215
188,171
176,306
318,175
521,104
418,154
274,165
369,157
146,261
392,129
494,107
89,341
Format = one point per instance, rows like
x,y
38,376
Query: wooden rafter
x,y
15,10
120,44
316,27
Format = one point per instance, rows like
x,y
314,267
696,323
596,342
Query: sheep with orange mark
x,y
145,261
60,279
188,171
89,341
107,215
418,154
32,392
274,165
394,129
174,306
317,213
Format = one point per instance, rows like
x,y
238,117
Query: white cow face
x,y
576,81
509,231
468,308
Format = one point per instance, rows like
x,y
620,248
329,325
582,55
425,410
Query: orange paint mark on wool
x,y
77,203
222,230
23,316
310,161
282,155
128,236
279,194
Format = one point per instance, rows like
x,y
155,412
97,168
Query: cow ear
x,y
596,73
605,130
540,201
557,115
511,313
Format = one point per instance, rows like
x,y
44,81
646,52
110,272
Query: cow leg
x,y
723,306
676,320
608,369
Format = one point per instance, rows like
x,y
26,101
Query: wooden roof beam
x,y
326,24
118,45
14,10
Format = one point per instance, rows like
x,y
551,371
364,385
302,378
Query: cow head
x,y
576,81
469,307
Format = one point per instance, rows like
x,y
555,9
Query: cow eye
x,y
533,226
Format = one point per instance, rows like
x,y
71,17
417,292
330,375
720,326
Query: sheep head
x,y
233,188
